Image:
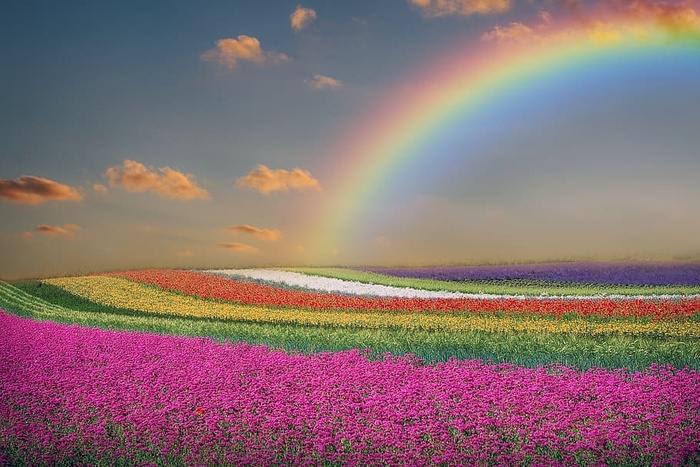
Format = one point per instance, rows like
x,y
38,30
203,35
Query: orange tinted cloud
x,y
36,190
66,230
601,33
607,22
135,177
242,247
323,82
515,32
229,52
382,240
265,234
437,8
676,16
99,188
266,180
302,17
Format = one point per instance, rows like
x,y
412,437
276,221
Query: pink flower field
x,y
75,395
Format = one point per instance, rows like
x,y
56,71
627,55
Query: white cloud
x,y
323,82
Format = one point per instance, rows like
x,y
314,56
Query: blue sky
x,y
87,86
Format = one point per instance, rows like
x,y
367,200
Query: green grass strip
x,y
493,287
526,349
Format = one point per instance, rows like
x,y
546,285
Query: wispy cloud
x,y
230,52
382,240
184,254
437,8
135,177
67,230
99,188
323,82
302,17
514,32
265,234
240,247
28,189
266,180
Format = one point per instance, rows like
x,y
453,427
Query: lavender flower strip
x,y
618,273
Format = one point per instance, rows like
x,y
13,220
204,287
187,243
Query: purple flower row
x,y
622,273
73,392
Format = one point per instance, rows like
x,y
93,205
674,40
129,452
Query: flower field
x,y
350,367
631,273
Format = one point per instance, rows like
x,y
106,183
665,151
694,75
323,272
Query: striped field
x,y
562,331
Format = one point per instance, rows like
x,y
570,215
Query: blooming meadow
x,y
630,273
344,367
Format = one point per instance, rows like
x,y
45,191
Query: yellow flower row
x,y
123,293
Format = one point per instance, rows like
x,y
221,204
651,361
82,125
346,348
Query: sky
x,y
374,132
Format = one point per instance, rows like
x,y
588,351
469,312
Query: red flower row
x,y
210,286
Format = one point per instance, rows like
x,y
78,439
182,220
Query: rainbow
x,y
456,89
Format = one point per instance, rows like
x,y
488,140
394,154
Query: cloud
x,y
184,254
266,180
382,240
546,31
99,188
323,82
606,22
514,32
601,33
302,17
359,20
437,8
242,247
677,17
135,177
545,17
36,190
265,234
66,230
230,52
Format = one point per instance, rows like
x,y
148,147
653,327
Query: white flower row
x,y
328,284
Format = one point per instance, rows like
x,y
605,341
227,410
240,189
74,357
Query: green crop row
x,y
506,287
46,302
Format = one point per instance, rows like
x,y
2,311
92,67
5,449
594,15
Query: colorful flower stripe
x,y
210,286
620,273
72,394
315,283
526,349
123,293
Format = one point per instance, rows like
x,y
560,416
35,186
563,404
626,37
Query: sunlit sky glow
x,y
227,134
